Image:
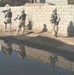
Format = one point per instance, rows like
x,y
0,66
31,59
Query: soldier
x,y
7,49
8,16
55,18
21,19
53,60
21,52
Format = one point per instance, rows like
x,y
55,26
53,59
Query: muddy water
x,y
17,59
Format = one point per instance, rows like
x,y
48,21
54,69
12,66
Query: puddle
x,y
17,59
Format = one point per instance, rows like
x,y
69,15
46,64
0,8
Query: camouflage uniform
x,y
22,19
55,18
8,16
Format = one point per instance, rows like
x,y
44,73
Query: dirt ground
x,y
42,41
34,33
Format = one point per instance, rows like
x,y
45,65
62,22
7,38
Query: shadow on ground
x,y
42,43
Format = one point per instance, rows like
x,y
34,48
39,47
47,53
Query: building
x,y
70,1
58,2
15,2
21,2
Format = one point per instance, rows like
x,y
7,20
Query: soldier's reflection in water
x,y
21,52
53,59
7,49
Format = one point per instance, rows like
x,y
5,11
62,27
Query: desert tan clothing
x,y
21,23
7,20
8,16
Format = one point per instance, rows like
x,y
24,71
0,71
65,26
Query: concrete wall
x,y
40,13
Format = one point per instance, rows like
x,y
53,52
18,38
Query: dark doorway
x,y
42,1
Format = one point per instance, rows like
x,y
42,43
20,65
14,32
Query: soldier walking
x,y
8,16
55,18
21,19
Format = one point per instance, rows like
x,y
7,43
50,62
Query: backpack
x,y
22,17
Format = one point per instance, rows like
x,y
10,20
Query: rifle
x,y
4,11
